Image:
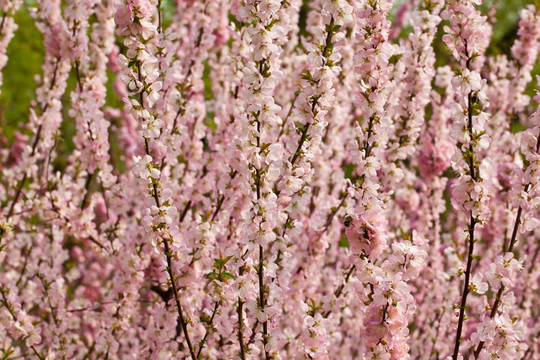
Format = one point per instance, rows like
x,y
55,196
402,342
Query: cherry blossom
x,y
266,179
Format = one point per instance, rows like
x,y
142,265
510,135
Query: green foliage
x,y
25,57
343,242
219,272
6,354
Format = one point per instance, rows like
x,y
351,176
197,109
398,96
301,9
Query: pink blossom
x,y
272,179
477,285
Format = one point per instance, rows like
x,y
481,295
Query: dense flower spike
x,y
272,179
8,26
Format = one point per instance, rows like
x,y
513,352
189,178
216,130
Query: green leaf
x,y
229,275
343,242
209,121
264,146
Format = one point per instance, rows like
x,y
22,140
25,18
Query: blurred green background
x,y
25,54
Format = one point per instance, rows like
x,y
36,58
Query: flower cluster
x,y
272,179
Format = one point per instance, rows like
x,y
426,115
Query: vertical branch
x,y
472,225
